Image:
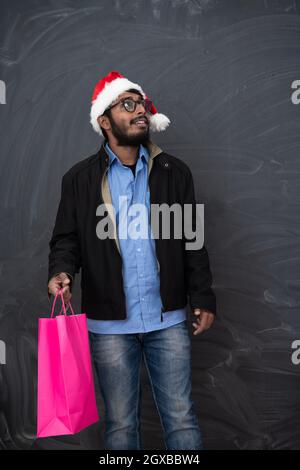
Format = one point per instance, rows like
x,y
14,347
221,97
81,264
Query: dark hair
x,y
107,112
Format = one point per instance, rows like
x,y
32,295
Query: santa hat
x,y
108,89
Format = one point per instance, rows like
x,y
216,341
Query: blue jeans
x,y
167,357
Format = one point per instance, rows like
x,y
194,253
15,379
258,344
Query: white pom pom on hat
x,y
108,89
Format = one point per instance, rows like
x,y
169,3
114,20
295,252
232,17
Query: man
x,y
134,289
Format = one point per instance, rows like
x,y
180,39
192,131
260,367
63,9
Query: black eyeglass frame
x,y
146,104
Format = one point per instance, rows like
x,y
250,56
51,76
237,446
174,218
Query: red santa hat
x,y
108,89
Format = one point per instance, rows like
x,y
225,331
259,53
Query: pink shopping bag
x,y
66,393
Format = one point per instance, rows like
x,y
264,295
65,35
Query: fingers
x,y
66,289
200,326
65,279
204,321
59,281
66,294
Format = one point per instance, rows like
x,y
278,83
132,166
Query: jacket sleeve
x,y
198,276
64,245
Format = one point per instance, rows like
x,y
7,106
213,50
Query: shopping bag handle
x,y
63,308
68,305
59,292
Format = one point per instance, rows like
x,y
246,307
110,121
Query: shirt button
x,y
138,249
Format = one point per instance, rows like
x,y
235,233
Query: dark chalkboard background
x,y
223,72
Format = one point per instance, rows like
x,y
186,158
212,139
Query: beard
x,y
130,140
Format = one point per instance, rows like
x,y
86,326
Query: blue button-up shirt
x,y
140,267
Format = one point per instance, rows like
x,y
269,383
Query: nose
x,y
141,113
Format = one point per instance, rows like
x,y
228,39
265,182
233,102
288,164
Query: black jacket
x,y
185,275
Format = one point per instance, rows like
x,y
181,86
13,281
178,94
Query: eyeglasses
x,y
130,104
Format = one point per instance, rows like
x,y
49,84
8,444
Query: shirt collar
x,y
143,152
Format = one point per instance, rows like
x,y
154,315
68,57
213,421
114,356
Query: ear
x,y
103,121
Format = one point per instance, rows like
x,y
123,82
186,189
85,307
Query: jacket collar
x,y
142,154
153,150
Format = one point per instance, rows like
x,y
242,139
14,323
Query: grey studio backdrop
x,y
226,73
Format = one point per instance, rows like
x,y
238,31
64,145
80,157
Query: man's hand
x,y
204,320
60,281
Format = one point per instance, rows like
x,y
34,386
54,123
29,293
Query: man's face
x,y
124,125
